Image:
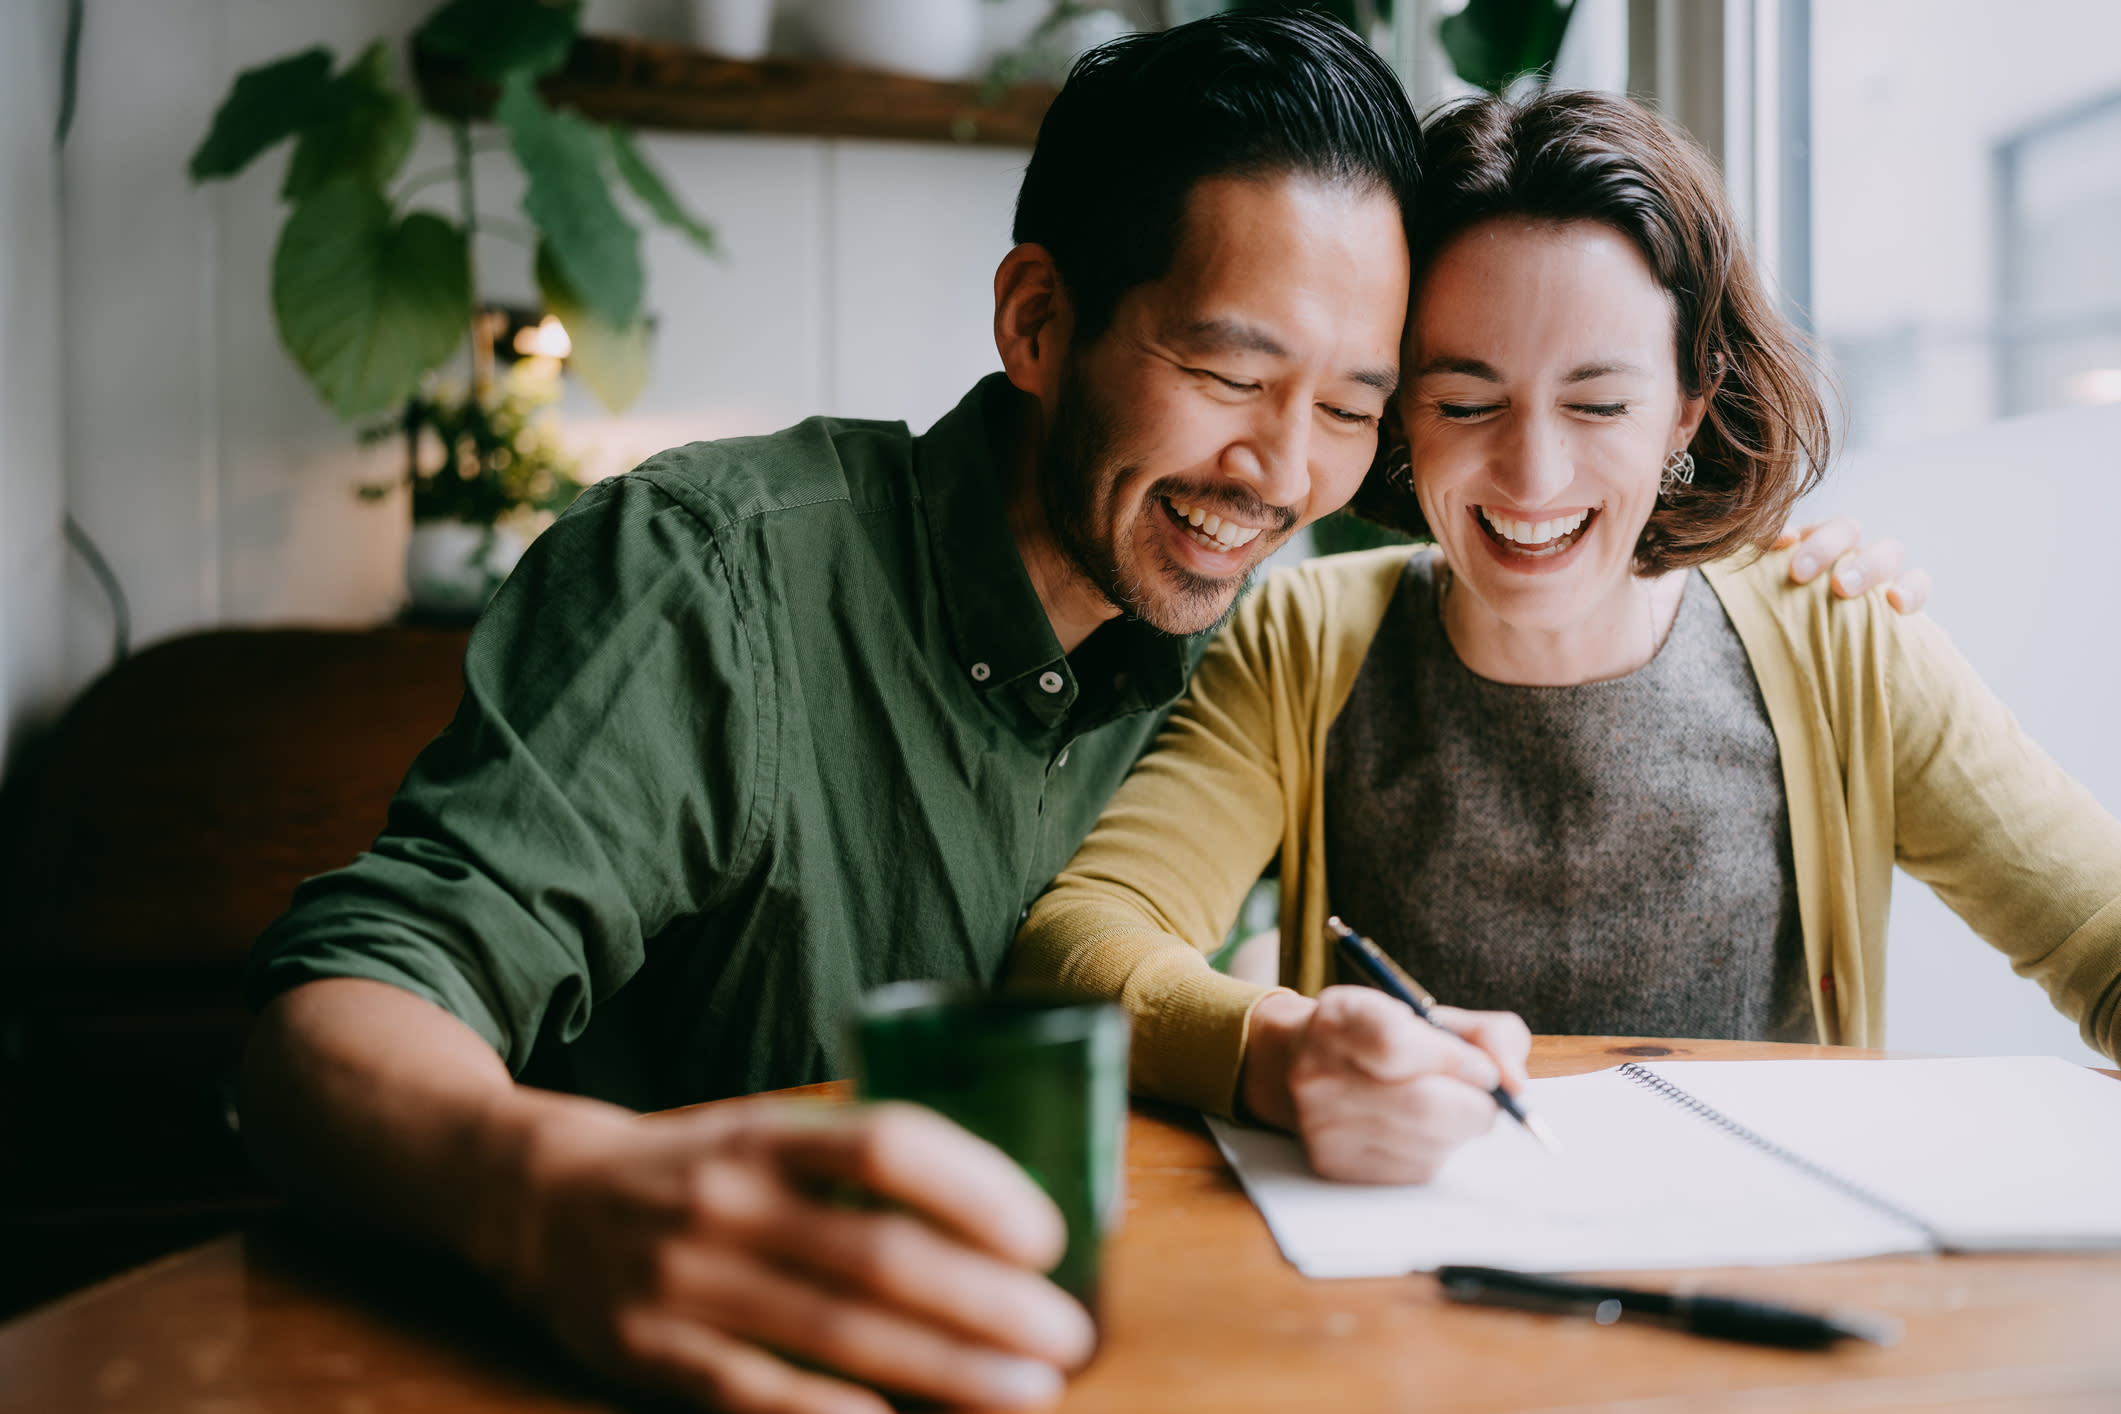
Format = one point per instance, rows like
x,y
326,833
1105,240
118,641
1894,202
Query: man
x,y
769,722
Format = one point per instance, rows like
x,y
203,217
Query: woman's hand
x,y
1857,566
1377,1094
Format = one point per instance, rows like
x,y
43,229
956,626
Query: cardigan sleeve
x,y
1231,781
1158,884
1988,820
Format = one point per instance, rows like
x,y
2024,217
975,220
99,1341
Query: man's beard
x,y
1077,472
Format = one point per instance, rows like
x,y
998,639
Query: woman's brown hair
x,y
1576,156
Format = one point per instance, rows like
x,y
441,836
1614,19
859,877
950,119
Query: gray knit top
x,y
1605,859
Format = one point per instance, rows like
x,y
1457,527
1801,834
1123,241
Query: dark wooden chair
x,y
147,841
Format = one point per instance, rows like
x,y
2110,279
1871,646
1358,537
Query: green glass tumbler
x,y
1044,1081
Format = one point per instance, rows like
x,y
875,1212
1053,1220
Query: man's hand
x,y
703,1254
1377,1094
1857,566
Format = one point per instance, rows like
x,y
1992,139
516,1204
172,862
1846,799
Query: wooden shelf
x,y
643,84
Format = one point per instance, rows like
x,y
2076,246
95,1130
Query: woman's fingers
x,y
1382,1096
1362,1029
1502,1034
1400,1137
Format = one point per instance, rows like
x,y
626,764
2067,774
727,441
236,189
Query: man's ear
x,y
1033,320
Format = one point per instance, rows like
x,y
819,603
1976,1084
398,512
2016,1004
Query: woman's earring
x,y
1678,472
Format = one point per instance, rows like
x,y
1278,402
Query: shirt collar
x,y
998,627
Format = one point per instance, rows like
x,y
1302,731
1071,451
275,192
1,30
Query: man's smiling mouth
x,y
1207,528
1535,539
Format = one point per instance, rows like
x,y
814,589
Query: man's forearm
x,y
374,1108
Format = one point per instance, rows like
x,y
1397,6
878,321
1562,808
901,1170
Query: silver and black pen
x,y
1372,962
1725,1317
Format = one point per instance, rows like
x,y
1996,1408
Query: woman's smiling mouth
x,y
1534,539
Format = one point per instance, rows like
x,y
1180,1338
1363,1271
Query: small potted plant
x,y
374,289
486,472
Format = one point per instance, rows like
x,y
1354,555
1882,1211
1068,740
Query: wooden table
x,y
1202,1314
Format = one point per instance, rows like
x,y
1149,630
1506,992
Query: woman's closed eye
x,y
1601,409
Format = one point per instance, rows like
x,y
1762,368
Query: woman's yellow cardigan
x,y
1892,750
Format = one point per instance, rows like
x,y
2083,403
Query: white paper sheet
x,y
1995,1154
1643,1183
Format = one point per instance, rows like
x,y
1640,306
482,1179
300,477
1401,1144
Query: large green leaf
x,y
365,128
496,38
368,304
268,103
593,244
1492,43
610,359
649,186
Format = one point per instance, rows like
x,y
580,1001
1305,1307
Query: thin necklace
x,y
1447,581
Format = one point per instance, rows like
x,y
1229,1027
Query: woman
x,y
1590,759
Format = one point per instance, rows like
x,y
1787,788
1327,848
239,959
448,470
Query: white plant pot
x,y
734,29
452,569
931,39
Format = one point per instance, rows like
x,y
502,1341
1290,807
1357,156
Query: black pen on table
x,y
1724,1317
1372,962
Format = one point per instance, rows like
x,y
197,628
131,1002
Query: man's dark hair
x,y
1142,119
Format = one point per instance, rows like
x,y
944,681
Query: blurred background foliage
x,y
371,293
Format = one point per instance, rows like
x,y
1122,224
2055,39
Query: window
x,y
1966,201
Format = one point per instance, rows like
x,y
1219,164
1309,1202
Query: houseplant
x,y
373,291
486,472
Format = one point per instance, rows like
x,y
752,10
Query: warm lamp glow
x,y
547,340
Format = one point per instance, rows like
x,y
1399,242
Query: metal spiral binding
x,y
1652,1081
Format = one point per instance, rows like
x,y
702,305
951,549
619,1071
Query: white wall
x,y
32,549
2032,606
855,280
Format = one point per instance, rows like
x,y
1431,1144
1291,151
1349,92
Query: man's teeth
x,y
1533,532
1208,525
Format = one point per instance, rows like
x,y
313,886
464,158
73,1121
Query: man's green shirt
x,y
756,727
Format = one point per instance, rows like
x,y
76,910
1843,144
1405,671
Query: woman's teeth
x,y
1534,534
1212,530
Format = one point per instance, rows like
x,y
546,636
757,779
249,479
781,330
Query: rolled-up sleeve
x,y
608,769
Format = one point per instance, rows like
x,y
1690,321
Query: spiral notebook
x,y
1730,1163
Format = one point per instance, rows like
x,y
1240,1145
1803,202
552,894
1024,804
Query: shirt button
x,y
1063,759
1050,682
981,672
